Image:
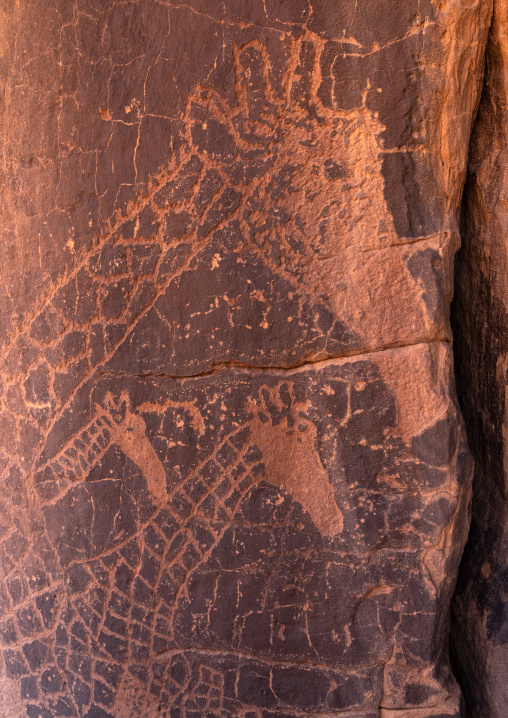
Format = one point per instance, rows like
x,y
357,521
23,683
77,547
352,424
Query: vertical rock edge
x,y
479,636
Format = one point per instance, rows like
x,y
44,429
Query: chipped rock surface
x,y
480,627
234,472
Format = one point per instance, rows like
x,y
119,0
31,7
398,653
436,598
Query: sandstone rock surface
x,y
235,474
480,630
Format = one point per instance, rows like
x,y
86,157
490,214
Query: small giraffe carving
x,y
114,423
292,462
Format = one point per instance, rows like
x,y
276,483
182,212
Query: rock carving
x,y
229,232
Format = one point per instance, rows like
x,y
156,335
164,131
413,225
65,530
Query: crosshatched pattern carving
x,y
235,572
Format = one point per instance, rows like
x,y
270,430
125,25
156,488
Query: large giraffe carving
x,y
198,462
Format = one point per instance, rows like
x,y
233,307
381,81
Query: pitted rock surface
x,y
235,474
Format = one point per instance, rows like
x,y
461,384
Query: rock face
x,y
480,631
235,474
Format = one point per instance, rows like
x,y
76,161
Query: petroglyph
x,y
292,463
113,423
130,435
204,493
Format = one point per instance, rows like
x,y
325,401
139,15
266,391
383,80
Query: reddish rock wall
x,y
480,635
235,474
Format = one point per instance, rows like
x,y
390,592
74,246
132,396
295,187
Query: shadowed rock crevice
x,y
480,328
233,465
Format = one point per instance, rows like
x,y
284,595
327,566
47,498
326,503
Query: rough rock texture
x,y
234,470
480,630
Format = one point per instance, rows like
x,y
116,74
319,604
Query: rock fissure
x,y
478,639
223,366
